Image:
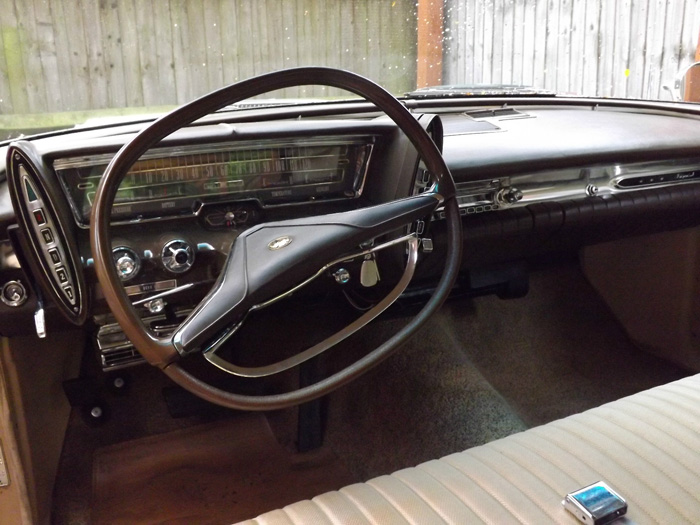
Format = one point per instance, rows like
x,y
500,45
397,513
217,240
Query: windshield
x,y
67,62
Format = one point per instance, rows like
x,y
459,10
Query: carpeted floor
x,y
481,369
207,474
484,368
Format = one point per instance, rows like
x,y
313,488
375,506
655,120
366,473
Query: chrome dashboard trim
x,y
476,196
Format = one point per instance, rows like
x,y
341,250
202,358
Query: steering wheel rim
x,y
162,352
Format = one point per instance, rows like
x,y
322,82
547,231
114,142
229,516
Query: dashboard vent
x,y
499,113
116,358
116,351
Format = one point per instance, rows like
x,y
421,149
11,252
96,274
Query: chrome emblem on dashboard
x,y
279,243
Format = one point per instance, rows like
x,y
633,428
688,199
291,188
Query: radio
x,y
483,196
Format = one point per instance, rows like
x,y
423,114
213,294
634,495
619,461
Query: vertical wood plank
x,y
540,59
229,30
454,44
517,76
147,25
529,32
497,42
195,44
289,40
671,46
621,48
478,74
213,49
507,43
467,27
133,70
564,36
578,28
652,66
360,47
6,102
551,45
637,47
373,43
55,89
92,34
30,53
487,55
164,61
111,43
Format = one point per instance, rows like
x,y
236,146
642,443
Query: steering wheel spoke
x,y
267,261
263,371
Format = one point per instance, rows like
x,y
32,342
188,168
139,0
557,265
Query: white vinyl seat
x,y
646,447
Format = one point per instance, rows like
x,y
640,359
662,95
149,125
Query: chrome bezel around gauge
x,y
169,256
124,251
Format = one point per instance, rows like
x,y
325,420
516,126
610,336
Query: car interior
x,y
289,311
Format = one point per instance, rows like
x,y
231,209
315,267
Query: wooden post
x,y
429,71
692,80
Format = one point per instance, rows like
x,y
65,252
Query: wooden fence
x,y
70,55
620,48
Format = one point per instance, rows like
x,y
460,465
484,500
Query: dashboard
x,y
533,178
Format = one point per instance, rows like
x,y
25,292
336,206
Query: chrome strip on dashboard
x,y
477,196
364,319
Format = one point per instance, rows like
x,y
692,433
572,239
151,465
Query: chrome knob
x,y
177,256
13,293
341,276
125,266
127,262
509,195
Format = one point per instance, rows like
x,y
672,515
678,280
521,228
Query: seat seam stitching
x,y
357,505
435,509
515,460
524,491
464,502
403,514
487,490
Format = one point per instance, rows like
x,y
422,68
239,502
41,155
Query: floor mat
x,y
214,473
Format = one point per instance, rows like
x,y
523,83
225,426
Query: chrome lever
x,y
369,272
163,294
40,320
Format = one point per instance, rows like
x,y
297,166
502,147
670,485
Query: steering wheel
x,y
270,260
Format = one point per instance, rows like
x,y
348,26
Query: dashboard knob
x,y
177,256
509,195
127,262
13,293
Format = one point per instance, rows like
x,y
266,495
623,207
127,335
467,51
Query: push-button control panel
x,y
45,230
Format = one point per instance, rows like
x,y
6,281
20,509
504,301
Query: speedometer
x,y
171,181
